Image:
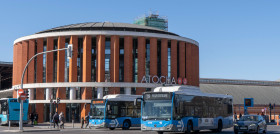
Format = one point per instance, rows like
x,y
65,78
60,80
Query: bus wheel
x,y
111,128
159,132
189,127
220,126
126,125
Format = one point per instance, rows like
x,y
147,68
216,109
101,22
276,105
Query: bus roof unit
x,y
122,97
189,90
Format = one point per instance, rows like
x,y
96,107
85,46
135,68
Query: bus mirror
x,y
135,101
108,107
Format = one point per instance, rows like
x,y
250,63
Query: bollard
x,y
9,125
73,123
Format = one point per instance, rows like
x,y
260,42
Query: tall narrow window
x,y
147,63
107,63
44,65
169,59
93,59
107,59
80,59
159,58
79,66
66,69
135,64
121,63
178,61
44,61
93,65
55,61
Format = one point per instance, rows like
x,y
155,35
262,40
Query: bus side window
x,y
0,107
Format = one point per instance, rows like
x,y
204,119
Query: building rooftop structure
x,y
263,92
107,26
153,20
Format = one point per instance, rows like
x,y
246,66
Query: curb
x,y
31,130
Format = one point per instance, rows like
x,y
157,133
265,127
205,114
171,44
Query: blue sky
x,y
238,39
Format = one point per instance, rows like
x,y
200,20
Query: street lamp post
x,y
69,55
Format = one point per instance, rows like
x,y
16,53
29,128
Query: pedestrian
x,y
87,120
61,120
235,117
31,116
55,119
35,118
240,115
82,122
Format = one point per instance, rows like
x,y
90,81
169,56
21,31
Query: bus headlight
x,y
143,127
102,124
169,127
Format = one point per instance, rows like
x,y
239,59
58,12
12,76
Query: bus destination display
x,y
98,102
158,96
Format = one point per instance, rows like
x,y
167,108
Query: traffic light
x,y
248,102
27,93
58,100
69,51
269,105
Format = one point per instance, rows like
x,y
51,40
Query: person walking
x,y
235,117
55,119
36,118
61,120
240,115
87,120
31,117
82,122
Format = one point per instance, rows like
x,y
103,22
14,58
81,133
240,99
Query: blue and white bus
x,y
10,109
115,111
185,109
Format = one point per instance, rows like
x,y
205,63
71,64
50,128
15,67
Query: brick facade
x,y
188,63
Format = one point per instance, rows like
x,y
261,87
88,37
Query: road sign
x,y
20,91
179,80
185,81
23,96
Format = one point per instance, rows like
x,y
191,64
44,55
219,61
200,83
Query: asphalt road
x,y
271,130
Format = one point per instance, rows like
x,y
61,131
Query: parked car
x,y
250,124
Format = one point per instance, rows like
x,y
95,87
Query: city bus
x,y
10,111
115,111
185,109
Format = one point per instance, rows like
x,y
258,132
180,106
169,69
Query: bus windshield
x,y
157,110
98,111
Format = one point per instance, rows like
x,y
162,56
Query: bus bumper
x,y
167,128
102,125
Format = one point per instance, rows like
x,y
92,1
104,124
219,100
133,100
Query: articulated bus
x,y
185,109
115,111
10,111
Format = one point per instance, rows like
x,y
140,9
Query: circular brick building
x,y
108,58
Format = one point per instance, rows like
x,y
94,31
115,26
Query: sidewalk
x,y
42,127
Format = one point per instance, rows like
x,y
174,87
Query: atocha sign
x,y
163,80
